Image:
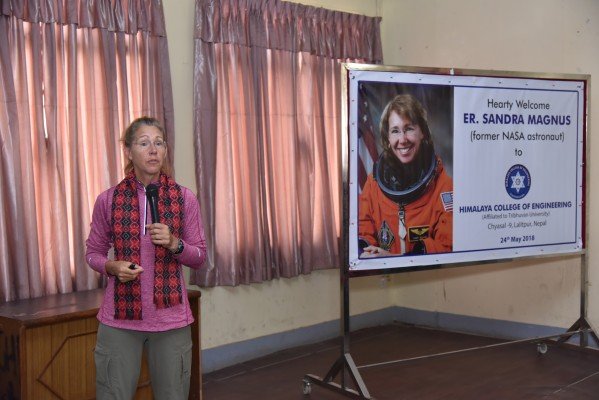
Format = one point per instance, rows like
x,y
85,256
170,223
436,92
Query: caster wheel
x,y
306,387
542,348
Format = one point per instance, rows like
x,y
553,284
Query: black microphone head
x,y
152,190
152,195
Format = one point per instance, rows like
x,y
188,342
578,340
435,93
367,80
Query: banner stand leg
x,y
344,366
582,324
585,328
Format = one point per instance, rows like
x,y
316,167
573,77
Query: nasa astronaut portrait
x,y
406,205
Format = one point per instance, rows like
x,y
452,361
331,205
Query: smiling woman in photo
x,y
406,206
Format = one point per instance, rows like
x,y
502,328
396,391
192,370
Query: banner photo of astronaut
x,y
455,168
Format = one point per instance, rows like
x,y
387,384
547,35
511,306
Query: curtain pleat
x,y
280,25
129,16
267,134
73,74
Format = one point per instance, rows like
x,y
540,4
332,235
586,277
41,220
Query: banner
x,y
462,168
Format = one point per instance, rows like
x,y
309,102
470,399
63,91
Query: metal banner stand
x,y
345,368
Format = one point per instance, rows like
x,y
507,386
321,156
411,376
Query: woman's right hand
x,y
374,251
121,270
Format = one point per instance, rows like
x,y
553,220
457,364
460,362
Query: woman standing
x,y
406,206
145,303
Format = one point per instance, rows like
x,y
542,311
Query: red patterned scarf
x,y
126,232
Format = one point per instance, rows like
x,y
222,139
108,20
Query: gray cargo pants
x,y
118,362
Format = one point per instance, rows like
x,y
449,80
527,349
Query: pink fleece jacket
x,y
193,255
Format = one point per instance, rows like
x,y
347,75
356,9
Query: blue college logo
x,y
517,181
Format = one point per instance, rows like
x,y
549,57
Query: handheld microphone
x,y
152,194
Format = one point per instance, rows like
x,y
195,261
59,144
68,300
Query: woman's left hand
x,y
161,236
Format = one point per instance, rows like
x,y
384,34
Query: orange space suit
x,y
427,220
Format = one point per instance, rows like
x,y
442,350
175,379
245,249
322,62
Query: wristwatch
x,y
180,247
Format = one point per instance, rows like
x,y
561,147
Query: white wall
x,y
518,35
521,35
